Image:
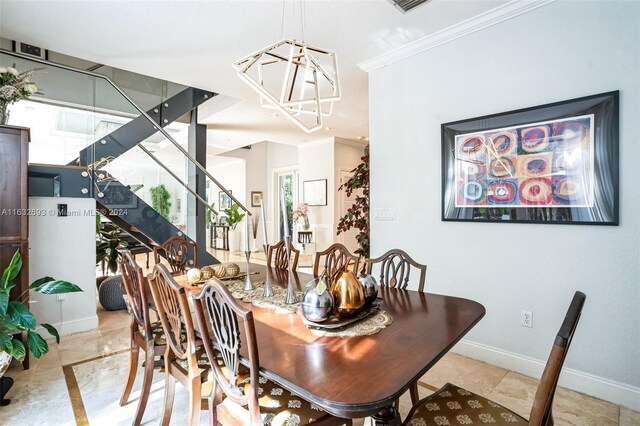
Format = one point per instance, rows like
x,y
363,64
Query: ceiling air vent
x,y
406,5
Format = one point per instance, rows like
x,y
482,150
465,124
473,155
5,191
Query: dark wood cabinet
x,y
14,206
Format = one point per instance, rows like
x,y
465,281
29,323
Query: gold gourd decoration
x,y
348,295
219,270
232,270
207,272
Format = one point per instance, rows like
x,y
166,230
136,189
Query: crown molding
x,y
484,20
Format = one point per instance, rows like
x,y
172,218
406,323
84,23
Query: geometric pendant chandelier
x,y
299,80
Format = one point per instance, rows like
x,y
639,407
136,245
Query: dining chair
x,y
145,334
184,357
240,397
395,268
278,256
176,251
454,404
334,259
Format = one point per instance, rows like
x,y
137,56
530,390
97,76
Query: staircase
x,y
88,176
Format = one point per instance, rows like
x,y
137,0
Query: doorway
x,y
286,180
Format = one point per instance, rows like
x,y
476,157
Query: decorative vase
x,y
234,240
5,362
370,288
348,296
316,307
4,113
305,224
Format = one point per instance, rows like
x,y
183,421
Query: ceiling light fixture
x,y
299,80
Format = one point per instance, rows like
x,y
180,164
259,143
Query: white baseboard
x,y
598,387
71,327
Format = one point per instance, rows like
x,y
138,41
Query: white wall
x,y
64,248
560,51
317,161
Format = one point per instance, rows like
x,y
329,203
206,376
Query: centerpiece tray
x,y
240,276
335,322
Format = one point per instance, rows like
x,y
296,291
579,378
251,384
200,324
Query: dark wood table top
x,y
358,376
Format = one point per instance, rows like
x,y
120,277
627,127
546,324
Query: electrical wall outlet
x,y
526,319
61,297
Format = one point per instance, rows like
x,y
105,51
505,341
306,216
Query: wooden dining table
x,y
355,377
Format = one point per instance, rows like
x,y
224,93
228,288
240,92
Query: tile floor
x,y
90,368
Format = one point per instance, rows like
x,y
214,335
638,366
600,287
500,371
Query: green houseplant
x,y
233,218
15,317
161,200
108,240
357,215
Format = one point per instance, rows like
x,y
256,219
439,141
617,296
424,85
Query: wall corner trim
x,y
484,20
598,387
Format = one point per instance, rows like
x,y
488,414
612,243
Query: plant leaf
x,y
52,331
58,287
321,287
18,350
6,343
4,301
41,281
37,344
12,271
20,315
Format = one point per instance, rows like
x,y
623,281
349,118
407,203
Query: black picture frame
x,y
314,192
555,163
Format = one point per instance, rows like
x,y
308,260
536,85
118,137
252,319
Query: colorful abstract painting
x,y
549,163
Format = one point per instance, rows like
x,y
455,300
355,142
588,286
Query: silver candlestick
x,y
292,296
268,290
248,285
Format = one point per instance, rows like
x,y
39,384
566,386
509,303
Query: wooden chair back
x,y
395,269
177,252
541,413
278,256
334,259
217,312
134,285
173,310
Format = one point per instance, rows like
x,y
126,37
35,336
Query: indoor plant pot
x,y
16,318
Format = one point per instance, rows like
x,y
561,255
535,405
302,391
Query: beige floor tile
x,y
629,417
91,344
570,408
470,374
110,320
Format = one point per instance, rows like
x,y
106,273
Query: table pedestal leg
x,y
387,416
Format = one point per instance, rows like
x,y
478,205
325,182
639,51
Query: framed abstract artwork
x,y
554,163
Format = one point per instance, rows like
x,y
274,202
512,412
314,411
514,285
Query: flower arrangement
x,y
301,214
15,86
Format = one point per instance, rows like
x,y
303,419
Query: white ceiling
x,y
195,43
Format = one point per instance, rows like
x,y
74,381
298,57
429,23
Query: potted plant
x,y
14,86
161,200
233,218
15,316
108,240
357,215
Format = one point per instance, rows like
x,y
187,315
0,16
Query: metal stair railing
x,y
159,128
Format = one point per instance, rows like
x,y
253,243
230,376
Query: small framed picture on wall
x,y
314,192
256,198
224,200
